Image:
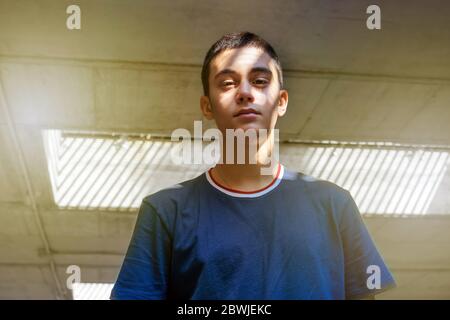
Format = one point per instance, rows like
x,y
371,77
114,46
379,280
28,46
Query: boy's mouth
x,y
246,112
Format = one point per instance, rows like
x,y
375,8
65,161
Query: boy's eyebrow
x,y
261,69
253,70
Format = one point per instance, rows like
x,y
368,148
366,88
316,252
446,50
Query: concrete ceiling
x,y
135,67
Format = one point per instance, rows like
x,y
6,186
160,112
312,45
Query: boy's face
x,y
244,90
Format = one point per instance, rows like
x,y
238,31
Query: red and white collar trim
x,y
247,194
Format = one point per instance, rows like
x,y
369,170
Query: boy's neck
x,y
259,168
243,177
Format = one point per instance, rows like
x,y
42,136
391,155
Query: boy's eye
x,y
261,81
227,83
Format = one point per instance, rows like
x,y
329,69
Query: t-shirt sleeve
x,y
145,269
366,274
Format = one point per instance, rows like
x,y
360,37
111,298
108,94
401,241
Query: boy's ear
x,y
282,102
205,106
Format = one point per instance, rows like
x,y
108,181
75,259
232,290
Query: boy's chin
x,y
250,126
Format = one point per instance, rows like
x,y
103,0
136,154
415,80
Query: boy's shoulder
x,y
174,194
315,186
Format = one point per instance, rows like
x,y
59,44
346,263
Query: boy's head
x,y
243,83
235,41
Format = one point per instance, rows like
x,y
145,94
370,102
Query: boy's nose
x,y
244,94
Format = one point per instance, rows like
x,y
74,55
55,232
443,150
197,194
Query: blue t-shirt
x,y
298,238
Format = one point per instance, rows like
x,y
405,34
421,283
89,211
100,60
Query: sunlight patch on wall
x,y
382,179
109,171
91,291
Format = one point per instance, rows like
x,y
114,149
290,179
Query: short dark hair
x,y
234,41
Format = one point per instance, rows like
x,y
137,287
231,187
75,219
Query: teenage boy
x,y
235,233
